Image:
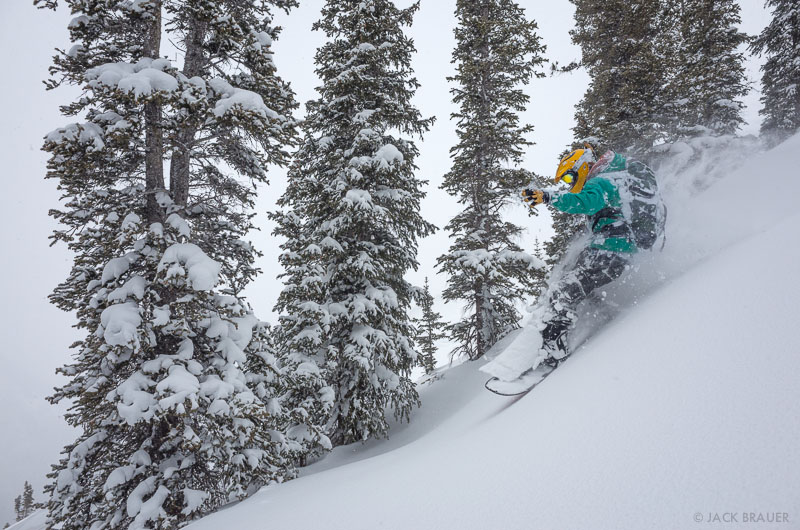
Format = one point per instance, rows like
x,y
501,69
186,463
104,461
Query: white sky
x,y
36,335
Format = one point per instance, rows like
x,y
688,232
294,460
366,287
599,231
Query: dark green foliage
x,y
497,51
700,41
660,71
429,329
780,42
622,106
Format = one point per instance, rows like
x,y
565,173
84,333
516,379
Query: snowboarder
x,y
625,213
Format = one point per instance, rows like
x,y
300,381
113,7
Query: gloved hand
x,y
534,197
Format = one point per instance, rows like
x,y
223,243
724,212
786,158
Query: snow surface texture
x,y
522,354
685,405
36,521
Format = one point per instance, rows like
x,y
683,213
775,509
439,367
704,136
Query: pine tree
x,y
780,41
497,51
429,329
706,72
622,107
28,504
172,425
351,218
24,504
540,275
18,508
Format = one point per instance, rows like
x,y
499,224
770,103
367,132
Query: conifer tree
x,y
706,76
622,106
28,504
350,216
780,42
24,504
18,508
171,424
539,275
497,51
429,329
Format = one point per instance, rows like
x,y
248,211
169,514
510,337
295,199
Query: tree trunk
x,y
179,177
481,184
154,135
479,323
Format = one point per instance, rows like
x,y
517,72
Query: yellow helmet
x,y
574,168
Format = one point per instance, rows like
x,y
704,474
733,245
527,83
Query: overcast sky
x,y
36,335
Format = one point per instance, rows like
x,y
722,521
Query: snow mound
x,y
238,98
140,79
202,271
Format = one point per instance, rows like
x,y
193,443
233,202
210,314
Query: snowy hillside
x,y
682,408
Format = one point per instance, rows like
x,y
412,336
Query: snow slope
x,y
685,406
36,521
682,408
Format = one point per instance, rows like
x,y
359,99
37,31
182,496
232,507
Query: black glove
x,y
534,197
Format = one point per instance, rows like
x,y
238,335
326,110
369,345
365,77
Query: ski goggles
x,y
570,176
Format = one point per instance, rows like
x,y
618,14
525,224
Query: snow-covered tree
x,y
706,77
623,104
351,218
172,425
430,328
497,51
780,42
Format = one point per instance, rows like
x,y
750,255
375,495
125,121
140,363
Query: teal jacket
x,y
600,201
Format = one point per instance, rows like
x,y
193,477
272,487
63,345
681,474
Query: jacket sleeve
x,y
589,201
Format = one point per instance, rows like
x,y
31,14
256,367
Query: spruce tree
x,y
24,504
429,329
350,216
18,508
28,504
540,275
622,106
780,42
171,424
497,51
706,76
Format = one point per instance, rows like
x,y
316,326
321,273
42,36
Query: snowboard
x,y
521,385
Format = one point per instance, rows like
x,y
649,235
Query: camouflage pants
x,y
593,268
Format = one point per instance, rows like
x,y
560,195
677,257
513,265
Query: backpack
x,y
642,205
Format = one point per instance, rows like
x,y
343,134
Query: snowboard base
x,y
521,385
